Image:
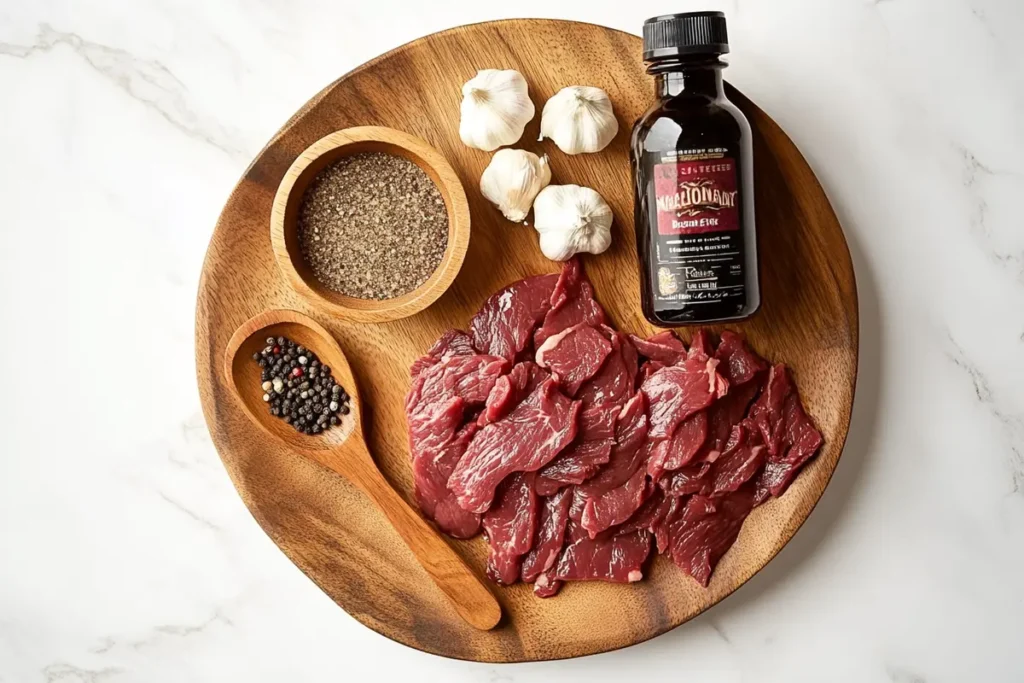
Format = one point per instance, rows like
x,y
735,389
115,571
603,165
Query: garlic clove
x,y
571,219
579,119
512,180
495,109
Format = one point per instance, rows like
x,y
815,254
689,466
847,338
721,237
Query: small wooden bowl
x,y
324,152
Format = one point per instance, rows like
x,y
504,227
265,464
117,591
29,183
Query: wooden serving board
x,y
808,320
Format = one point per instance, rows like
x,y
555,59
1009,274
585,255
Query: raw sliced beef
x,y
690,479
619,489
509,390
451,343
742,458
546,586
554,515
627,455
572,303
701,346
737,362
605,510
524,440
618,559
648,515
664,347
669,511
471,378
510,526
574,355
591,448
727,412
705,529
649,368
789,435
678,450
678,391
673,453
435,407
615,381
504,325
432,465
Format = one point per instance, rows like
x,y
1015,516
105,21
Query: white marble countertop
x,y
125,554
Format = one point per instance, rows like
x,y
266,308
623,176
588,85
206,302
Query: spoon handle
x,y
471,598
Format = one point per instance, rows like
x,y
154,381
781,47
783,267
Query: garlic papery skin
x,y
571,219
512,180
579,119
495,109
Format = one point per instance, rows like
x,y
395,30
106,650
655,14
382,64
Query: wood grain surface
x,y
326,525
343,450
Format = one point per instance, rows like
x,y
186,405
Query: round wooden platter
x,y
326,527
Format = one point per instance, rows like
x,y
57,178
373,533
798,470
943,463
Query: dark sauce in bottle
x,y
693,180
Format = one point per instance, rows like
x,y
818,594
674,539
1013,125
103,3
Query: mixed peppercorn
x,y
298,388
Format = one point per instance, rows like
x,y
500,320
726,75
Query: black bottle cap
x,y
692,33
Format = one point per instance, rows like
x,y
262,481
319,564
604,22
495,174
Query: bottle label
x,y
699,243
696,196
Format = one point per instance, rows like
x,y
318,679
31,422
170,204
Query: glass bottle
x,y
693,180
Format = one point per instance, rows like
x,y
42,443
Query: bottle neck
x,y
701,78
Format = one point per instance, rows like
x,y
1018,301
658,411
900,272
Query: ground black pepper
x,y
373,226
296,387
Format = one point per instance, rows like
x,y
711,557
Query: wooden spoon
x,y
343,449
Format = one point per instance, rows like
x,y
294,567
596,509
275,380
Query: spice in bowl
x,y
298,388
373,226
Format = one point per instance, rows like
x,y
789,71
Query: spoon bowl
x,y
342,449
244,375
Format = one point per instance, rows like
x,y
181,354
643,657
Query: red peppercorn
x,y
277,350
297,372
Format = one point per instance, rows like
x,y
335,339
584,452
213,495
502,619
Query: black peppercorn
x,y
305,401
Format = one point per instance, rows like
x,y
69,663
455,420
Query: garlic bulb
x,y
512,180
579,119
495,109
571,219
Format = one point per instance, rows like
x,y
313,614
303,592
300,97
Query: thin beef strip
x,y
678,450
574,355
789,435
616,492
664,347
678,391
524,440
701,346
509,390
742,459
435,407
554,515
504,325
452,343
510,526
704,529
572,302
615,381
618,559
436,447
687,480
737,362
591,449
